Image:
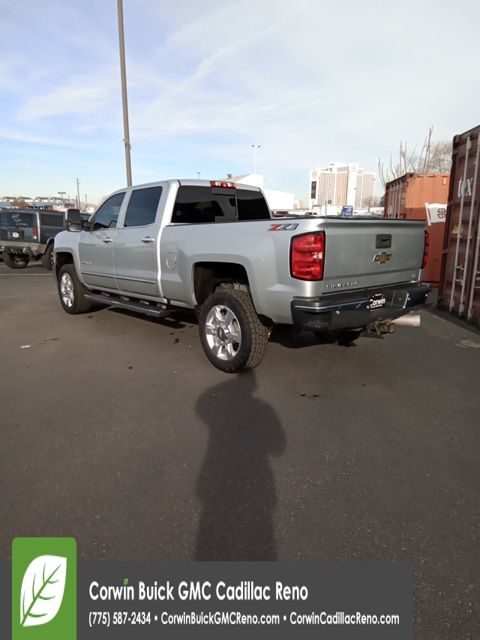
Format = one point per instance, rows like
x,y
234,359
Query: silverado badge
x,y
382,257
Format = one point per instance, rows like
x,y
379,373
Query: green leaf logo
x,y
43,586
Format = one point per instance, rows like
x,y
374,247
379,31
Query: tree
x,y
19,203
435,157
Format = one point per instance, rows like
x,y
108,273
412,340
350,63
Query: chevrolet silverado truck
x,y
213,247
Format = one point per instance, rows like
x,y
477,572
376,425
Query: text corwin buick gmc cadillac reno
x,y
212,246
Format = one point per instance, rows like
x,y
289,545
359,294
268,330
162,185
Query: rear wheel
x,y
14,261
72,292
47,258
231,332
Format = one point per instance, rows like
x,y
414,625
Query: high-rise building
x,y
340,184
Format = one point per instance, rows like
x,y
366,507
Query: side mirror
x,y
87,221
72,220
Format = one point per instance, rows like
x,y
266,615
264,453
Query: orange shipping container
x,y
406,197
460,281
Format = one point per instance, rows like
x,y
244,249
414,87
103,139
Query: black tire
x,y
14,261
250,350
80,304
47,258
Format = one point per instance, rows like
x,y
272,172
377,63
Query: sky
x,y
312,82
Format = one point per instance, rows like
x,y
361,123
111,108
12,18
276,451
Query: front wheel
x,y
72,292
15,261
232,335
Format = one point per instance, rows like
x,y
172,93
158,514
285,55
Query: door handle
x,y
107,240
147,239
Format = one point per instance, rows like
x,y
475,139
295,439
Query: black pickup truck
x,y
27,234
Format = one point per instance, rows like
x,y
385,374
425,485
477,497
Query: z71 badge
x,y
283,227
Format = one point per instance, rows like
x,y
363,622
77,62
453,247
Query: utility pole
x,y
78,194
255,147
123,77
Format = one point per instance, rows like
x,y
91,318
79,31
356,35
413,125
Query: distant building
x,y
277,200
339,185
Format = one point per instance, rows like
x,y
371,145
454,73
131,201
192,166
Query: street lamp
x,y
255,147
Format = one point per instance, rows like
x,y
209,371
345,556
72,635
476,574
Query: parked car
x,y
213,247
27,234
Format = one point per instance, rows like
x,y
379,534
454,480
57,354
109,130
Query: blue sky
x,y
310,81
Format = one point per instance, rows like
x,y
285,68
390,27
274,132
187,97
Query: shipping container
x,y
460,279
407,198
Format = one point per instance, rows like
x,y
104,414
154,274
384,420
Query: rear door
x,y
136,245
50,224
96,246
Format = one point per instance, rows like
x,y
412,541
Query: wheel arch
x,y
208,275
62,258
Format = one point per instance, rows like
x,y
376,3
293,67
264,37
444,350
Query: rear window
x,y
17,219
200,205
251,205
197,205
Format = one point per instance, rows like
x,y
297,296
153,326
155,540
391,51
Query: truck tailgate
x,y
368,253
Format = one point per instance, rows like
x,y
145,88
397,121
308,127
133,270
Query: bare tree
x,y
435,156
19,203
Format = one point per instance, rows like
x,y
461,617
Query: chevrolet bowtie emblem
x,y
382,257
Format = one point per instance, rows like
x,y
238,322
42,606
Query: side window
x,y
107,215
142,207
51,220
201,204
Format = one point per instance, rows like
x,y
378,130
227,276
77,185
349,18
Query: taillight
x,y
307,256
35,233
222,184
426,248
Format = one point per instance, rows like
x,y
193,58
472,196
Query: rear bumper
x,y
30,249
355,310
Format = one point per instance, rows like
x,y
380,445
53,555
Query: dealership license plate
x,y
377,302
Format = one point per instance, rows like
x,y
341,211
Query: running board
x,y
151,309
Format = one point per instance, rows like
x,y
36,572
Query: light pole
x,y
78,194
255,147
123,77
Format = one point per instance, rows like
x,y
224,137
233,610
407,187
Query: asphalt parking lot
x,y
117,430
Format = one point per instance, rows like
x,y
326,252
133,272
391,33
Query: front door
x,y
136,244
96,247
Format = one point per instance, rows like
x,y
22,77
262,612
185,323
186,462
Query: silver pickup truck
x,y
213,247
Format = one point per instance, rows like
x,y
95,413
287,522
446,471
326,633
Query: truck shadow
x,y
292,339
236,484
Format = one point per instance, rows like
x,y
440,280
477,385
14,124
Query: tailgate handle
x,y
384,241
